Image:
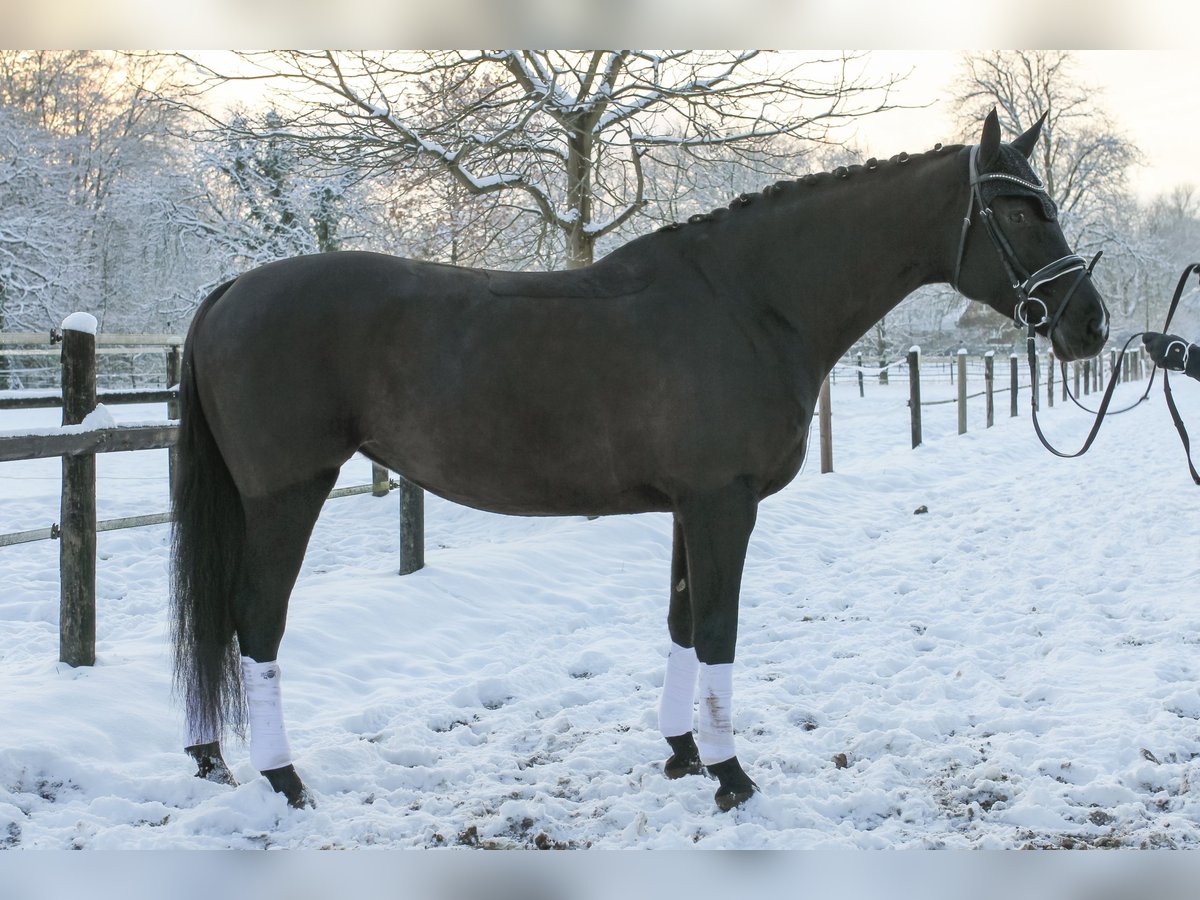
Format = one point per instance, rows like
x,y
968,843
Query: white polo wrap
x,y
264,700
715,738
679,691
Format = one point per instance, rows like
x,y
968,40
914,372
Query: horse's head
x,y
1012,254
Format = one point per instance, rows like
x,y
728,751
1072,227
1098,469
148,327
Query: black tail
x,y
206,551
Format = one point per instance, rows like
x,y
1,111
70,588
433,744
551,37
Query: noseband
x,y
1024,284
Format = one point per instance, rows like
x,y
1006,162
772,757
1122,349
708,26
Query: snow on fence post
x,y
962,391
412,526
825,416
989,377
77,513
1012,386
914,393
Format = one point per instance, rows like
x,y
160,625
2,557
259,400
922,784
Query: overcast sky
x,y
1153,96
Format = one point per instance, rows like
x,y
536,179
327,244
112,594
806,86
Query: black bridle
x,y
1023,282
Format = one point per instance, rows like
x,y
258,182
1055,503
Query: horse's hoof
x,y
285,781
686,758
736,787
210,765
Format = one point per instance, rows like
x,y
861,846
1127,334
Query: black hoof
x,y
686,758
210,765
285,781
736,787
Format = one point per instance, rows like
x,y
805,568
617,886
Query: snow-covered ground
x,y
1016,667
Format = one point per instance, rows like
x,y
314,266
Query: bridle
x,y
1023,282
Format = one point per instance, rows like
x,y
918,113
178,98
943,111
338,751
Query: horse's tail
x,y
206,553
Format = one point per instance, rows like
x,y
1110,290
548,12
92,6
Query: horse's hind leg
x,y
676,706
278,527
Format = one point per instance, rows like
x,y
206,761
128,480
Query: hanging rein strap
x,y
1112,383
1179,426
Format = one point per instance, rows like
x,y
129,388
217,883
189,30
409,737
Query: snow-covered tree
x,y
560,139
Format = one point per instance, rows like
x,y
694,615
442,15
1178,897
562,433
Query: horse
x,y
677,374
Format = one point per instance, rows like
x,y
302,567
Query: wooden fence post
x,y
1049,377
412,526
1013,382
861,392
77,513
914,394
883,372
380,483
962,391
174,370
1087,378
825,415
989,377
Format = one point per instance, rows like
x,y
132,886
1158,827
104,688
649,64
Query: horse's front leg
x,y
716,529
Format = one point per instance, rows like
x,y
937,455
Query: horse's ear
x,y
989,142
1026,142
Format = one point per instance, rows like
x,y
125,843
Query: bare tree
x,y
564,138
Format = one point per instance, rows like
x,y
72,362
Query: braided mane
x,y
813,179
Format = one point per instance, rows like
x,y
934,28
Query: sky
x,y
1150,94
1149,87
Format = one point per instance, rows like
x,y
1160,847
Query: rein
x,y
1024,284
1102,412
1175,417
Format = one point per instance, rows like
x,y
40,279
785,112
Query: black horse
x,y
677,374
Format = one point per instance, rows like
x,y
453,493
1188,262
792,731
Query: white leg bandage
x,y
715,738
679,691
268,741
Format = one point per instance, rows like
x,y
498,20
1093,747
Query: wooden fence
x,y
1087,376
78,445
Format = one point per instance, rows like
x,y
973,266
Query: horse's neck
x,y
864,243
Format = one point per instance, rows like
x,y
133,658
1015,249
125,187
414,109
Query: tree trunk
x,y
580,243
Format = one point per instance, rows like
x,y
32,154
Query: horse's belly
x,y
533,478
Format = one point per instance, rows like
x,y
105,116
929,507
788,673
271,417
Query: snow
x,y
1015,667
80,321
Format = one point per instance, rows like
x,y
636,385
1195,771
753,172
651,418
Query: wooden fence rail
x,y
77,445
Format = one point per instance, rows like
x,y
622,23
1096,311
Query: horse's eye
x,y
1017,217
